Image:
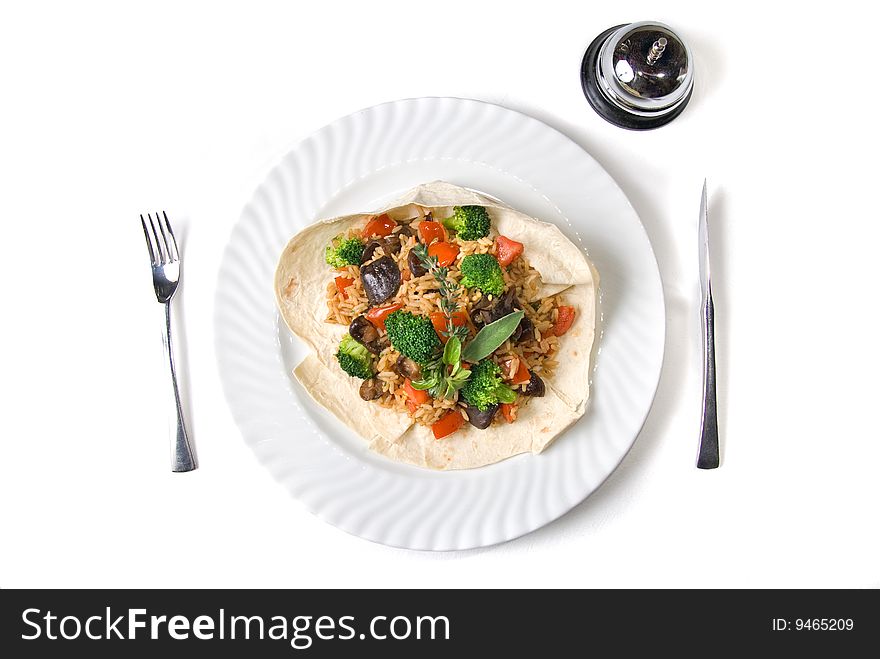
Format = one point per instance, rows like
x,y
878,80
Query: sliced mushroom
x,y
481,311
369,249
381,279
365,333
415,264
525,331
481,419
484,302
487,311
507,304
406,230
407,368
390,245
371,389
535,387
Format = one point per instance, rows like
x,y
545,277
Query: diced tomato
x,y
438,320
342,283
563,320
377,315
507,250
446,253
447,424
417,396
507,409
411,406
379,226
431,231
522,375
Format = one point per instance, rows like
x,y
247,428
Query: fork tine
x,y
175,255
158,243
164,235
153,260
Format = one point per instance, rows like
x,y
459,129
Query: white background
x,y
110,110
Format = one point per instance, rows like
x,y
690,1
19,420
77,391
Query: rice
x,y
420,295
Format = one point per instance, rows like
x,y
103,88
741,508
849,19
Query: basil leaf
x,y
452,351
490,338
505,394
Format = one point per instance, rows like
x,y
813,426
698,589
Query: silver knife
x,y
708,456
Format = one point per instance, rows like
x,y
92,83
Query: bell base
x,y
608,110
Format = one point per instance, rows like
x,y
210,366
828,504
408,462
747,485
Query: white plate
x,y
355,164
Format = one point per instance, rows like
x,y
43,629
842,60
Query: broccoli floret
x,y
354,358
469,222
484,387
340,253
482,271
412,336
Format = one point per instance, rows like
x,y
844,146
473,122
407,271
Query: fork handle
x,y
709,455
182,456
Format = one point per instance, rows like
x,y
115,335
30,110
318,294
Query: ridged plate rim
x,y
406,506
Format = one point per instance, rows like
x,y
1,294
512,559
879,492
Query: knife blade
x,y
708,457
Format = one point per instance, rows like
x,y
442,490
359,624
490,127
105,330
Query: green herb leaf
x,y
505,394
490,338
459,378
452,351
430,378
461,331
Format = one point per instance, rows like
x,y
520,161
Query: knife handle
x,y
708,457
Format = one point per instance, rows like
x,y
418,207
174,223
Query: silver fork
x,y
165,262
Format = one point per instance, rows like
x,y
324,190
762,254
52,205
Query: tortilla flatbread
x,y
300,283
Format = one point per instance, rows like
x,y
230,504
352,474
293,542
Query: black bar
x,y
435,622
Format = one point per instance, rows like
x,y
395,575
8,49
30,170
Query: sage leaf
x,y
490,338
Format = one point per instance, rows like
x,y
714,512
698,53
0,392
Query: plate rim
x,y
657,280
